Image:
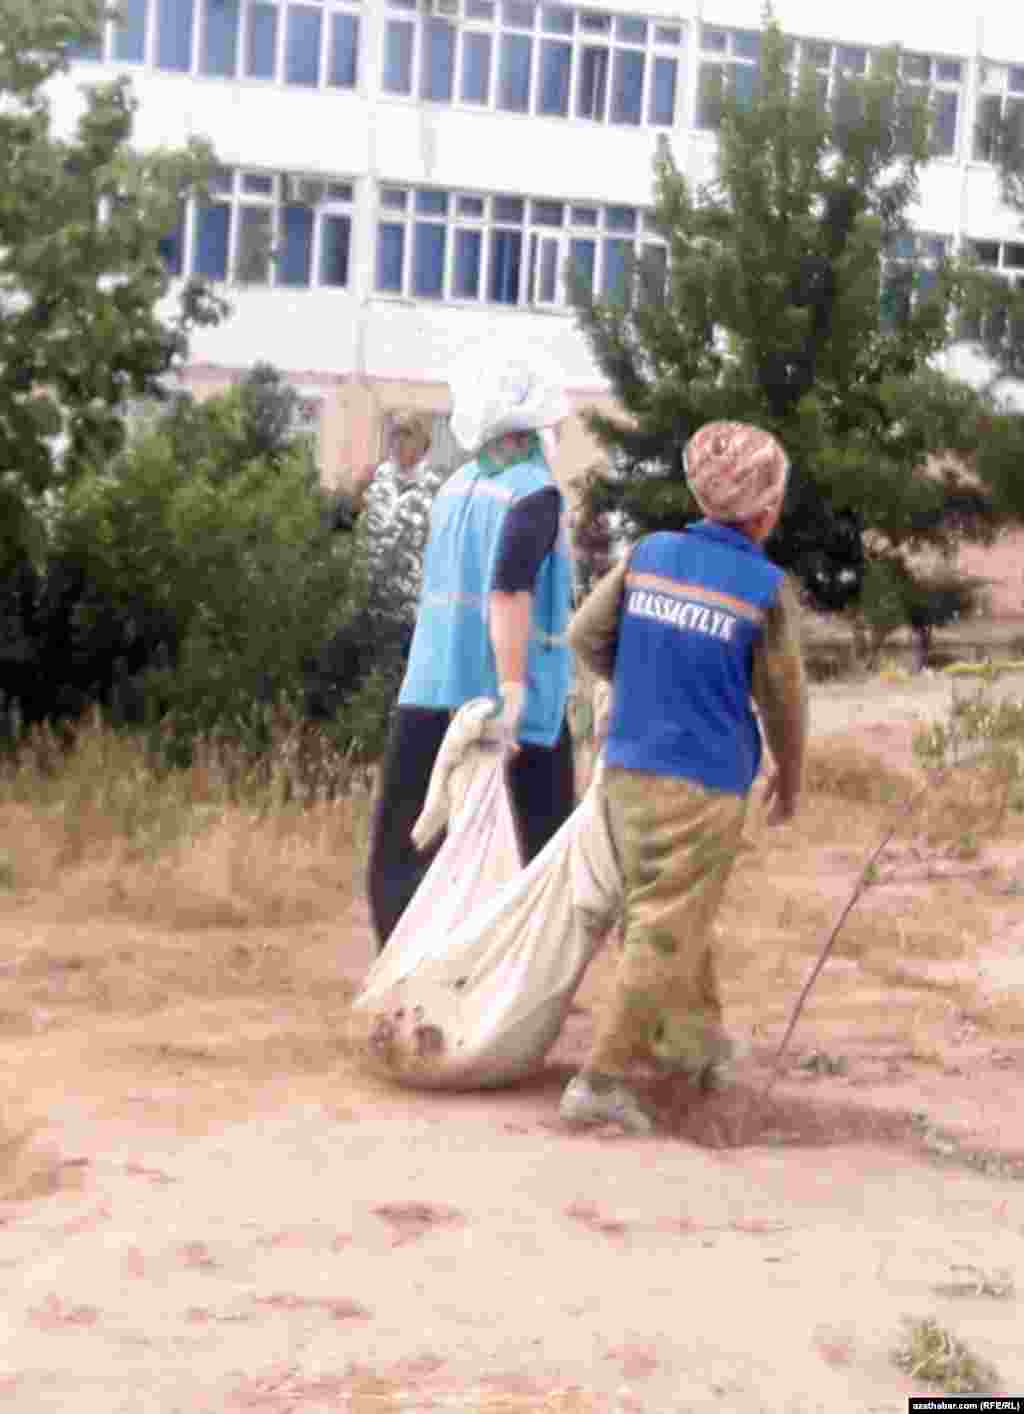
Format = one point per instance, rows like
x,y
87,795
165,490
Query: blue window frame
x,y
634,31
335,243
219,41
653,274
255,241
468,263
620,218
437,61
514,73
543,269
506,265
390,257
476,67
295,254
398,56
428,260
261,42
172,246
174,21
130,32
432,203
946,104
627,87
617,259
592,82
213,238
302,46
556,19
662,105
90,49
555,78
343,62
583,261
745,81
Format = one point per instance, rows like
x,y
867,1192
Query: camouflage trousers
x,y
676,843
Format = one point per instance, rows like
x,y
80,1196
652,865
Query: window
x,y
309,43
264,228
335,243
212,239
295,252
302,46
512,250
437,68
219,45
514,73
736,75
988,116
174,20
172,247
933,79
995,323
129,38
999,117
343,62
549,60
924,75
398,38
909,273
852,60
475,85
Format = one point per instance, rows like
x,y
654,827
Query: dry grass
x,y
844,771
968,1280
102,831
186,933
906,958
29,1168
932,1355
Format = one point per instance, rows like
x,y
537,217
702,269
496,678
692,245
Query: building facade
x,y
401,179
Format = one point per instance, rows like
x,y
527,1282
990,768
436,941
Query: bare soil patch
x,y
205,1205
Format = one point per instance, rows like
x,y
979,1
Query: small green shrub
x,y
934,1356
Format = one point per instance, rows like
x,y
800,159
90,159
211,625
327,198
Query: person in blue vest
x,y
491,621
692,629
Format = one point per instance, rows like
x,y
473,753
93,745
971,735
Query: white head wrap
x,y
522,393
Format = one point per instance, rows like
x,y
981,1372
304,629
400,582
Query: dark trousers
x,y
541,789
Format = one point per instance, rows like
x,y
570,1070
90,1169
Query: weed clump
x,y
854,776
931,1354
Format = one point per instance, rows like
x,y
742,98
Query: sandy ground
x,y
219,1213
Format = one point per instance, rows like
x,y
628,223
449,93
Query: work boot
x,y
589,1102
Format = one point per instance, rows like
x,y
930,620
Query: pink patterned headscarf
x,y
734,470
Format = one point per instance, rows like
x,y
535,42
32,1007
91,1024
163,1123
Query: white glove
x,y
513,695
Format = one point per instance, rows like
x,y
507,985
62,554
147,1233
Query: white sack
x,y
477,979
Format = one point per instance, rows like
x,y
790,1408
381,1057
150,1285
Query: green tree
x,y
233,581
82,218
795,297
253,421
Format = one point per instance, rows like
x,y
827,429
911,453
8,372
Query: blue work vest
x,y
452,659
694,608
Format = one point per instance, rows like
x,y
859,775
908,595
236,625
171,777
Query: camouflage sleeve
x,y
594,628
779,689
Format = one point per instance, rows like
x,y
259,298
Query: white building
x,y
424,170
